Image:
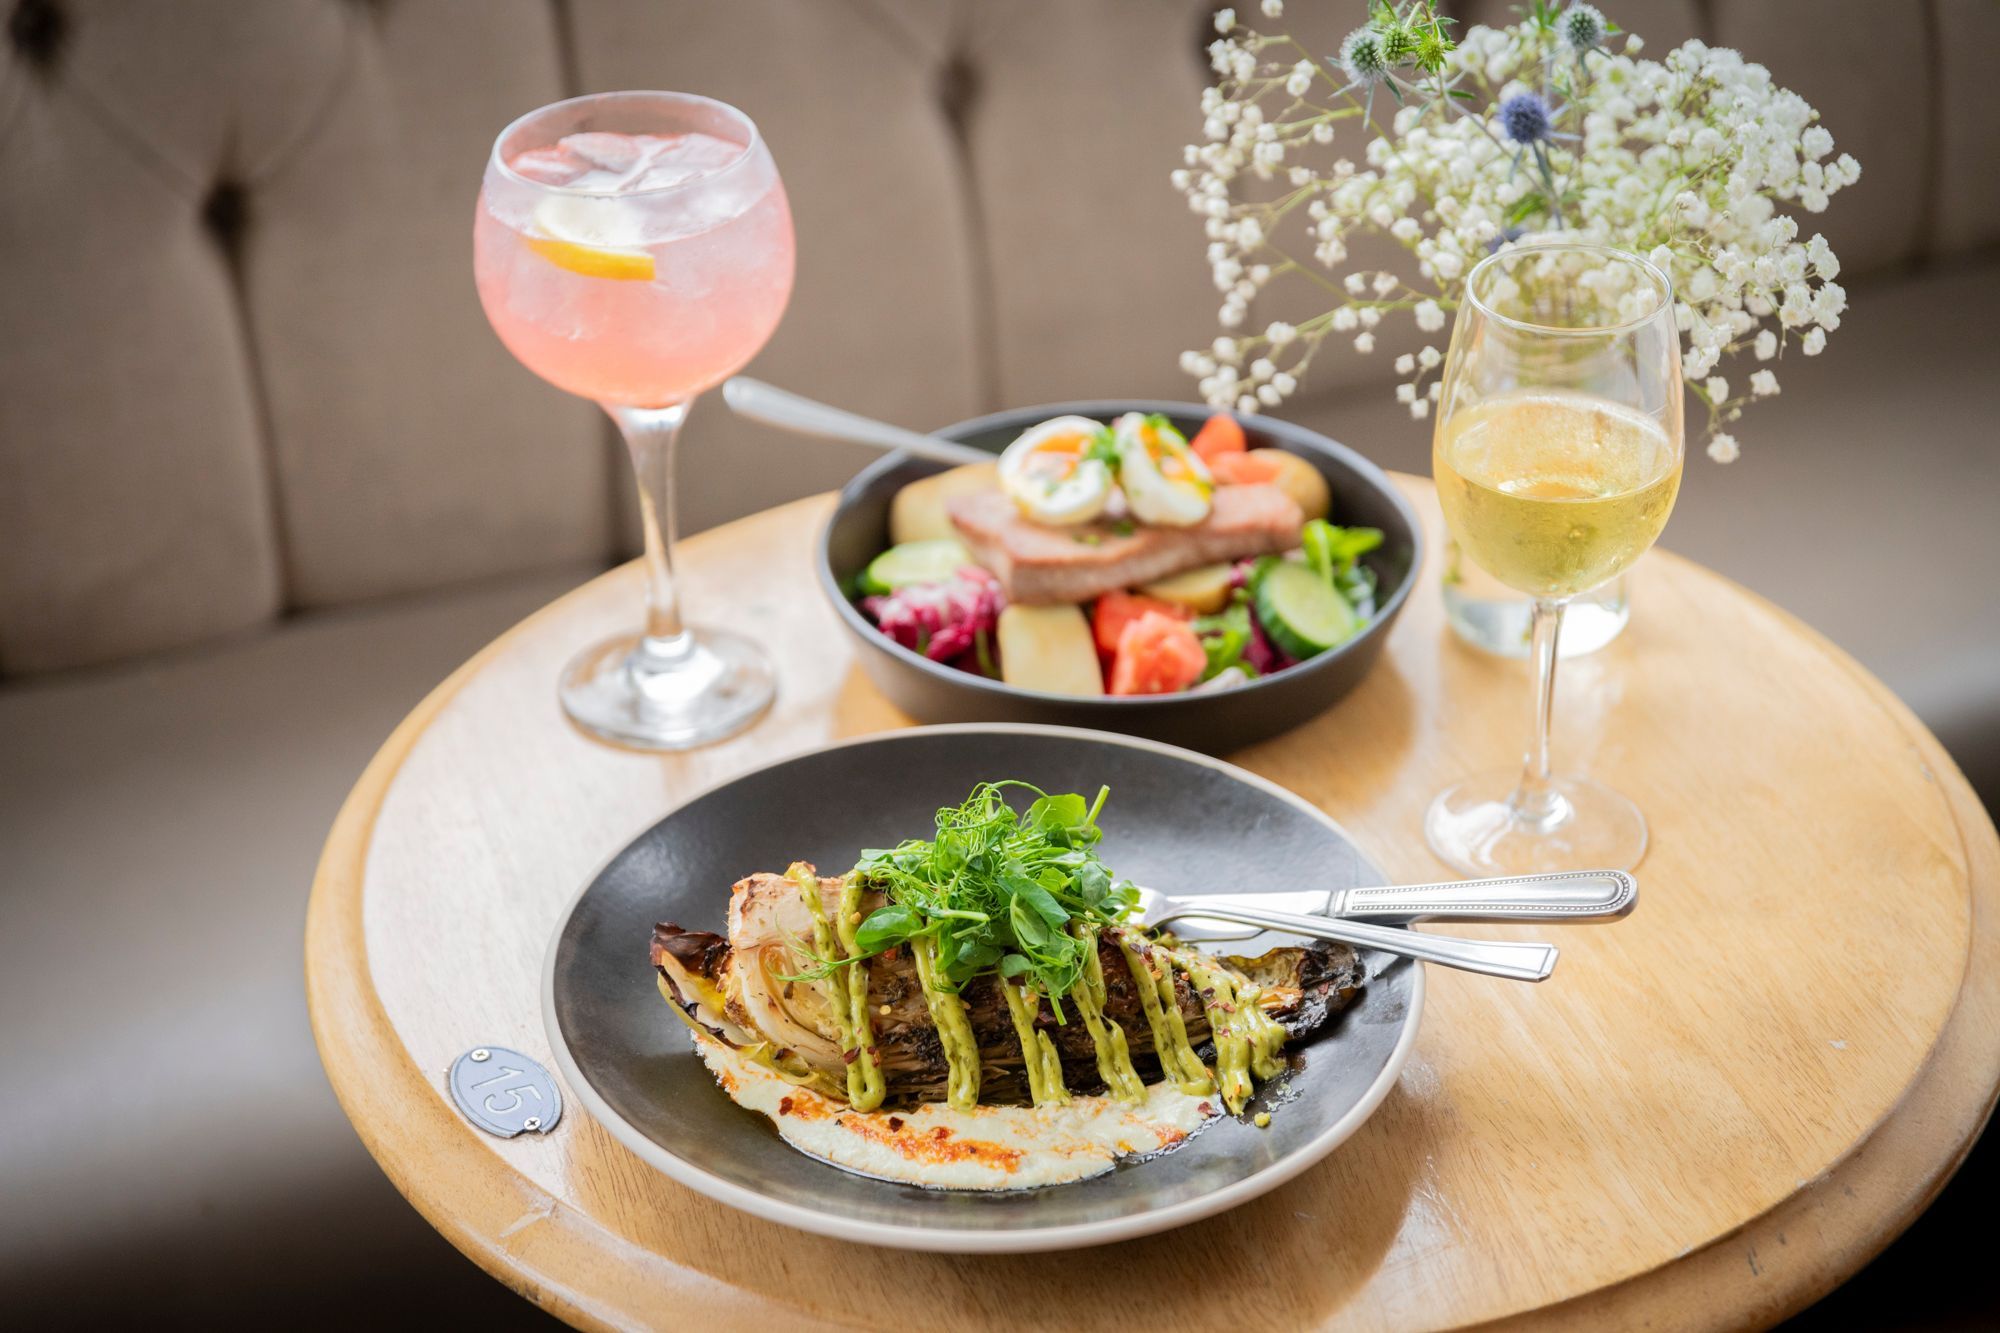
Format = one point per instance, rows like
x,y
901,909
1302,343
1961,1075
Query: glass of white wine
x,y
1557,457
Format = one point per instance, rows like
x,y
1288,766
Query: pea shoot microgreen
x,y
998,889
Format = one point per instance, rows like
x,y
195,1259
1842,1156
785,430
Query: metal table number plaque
x,y
505,1092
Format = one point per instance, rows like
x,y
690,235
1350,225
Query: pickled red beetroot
x,y
940,620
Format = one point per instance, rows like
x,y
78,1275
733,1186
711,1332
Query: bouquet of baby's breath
x,y
1552,126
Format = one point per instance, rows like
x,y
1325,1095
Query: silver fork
x,y
1347,915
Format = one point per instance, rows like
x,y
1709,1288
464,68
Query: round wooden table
x,y
1714,1112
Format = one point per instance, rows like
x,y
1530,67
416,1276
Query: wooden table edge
x,y
1754,1276
518,1233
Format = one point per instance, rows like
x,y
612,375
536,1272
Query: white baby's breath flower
x,y
1763,384
1273,8
1406,393
1364,342
1738,158
1225,19
1723,448
1420,409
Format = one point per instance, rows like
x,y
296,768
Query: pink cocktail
x,y
636,249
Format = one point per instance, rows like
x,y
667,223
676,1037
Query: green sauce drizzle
x,y
954,1029
847,986
1247,1041
1163,1014
1114,1058
1045,1080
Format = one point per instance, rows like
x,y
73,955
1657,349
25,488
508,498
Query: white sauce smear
x,y
938,1146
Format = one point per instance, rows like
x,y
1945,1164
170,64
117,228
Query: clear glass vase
x,y
1493,618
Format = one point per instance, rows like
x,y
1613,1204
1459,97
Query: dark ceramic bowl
x,y
1217,723
1175,821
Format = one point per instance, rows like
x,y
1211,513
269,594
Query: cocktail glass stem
x,y
651,436
671,686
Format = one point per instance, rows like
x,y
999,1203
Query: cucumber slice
x,y
1301,612
931,561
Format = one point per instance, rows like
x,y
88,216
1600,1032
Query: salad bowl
x,y
1214,721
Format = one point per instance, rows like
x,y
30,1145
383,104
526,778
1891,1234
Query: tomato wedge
x,y
1219,436
1115,610
1247,469
1157,654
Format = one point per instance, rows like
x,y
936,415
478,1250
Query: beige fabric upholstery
x,y
172,1148
247,370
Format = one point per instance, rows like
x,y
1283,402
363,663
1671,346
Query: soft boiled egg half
x,y
1055,473
1165,481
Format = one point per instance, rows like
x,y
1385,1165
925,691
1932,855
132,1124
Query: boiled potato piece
x,y
917,512
1204,590
1049,648
1302,481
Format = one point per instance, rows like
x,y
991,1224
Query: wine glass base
x,y
1477,827
668,694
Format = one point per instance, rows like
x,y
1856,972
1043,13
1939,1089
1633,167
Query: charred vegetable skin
x,y
1300,989
992,961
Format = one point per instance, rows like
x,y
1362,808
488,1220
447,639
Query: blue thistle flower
x,y
1582,27
1526,119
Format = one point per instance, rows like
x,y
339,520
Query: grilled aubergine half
x,y
746,991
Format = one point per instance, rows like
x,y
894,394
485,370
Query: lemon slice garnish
x,y
594,262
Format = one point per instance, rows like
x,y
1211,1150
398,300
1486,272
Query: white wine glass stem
x,y
1538,800
651,435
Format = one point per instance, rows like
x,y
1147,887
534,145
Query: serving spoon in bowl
x,y
1349,915
790,411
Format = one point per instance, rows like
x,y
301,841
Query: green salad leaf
x,y
1225,637
1332,551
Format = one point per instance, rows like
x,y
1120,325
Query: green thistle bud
x,y
1398,43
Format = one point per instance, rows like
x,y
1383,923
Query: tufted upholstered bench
x,y
265,475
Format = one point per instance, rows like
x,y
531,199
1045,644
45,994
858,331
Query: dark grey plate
x,y
1176,821
1363,496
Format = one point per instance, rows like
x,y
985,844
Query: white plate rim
x,y
1016,1241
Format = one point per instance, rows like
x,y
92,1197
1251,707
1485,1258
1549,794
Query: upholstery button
x,y
226,214
38,29
957,90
